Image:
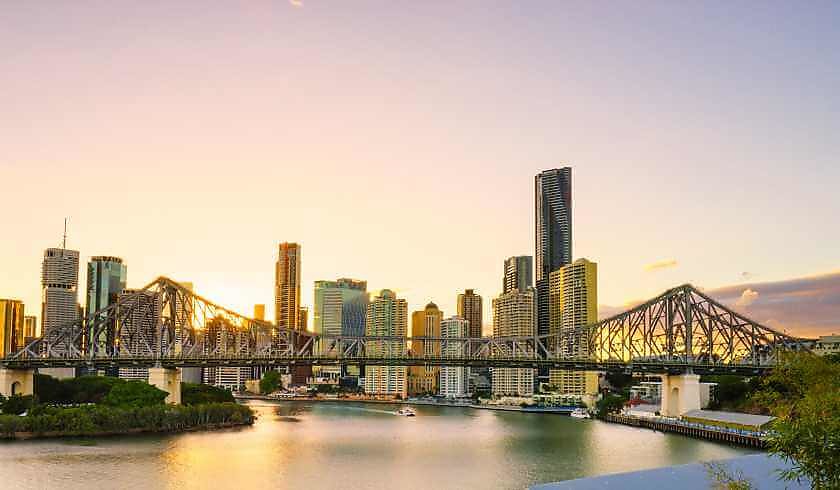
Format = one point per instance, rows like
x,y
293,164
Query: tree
x,y
197,394
609,403
803,391
270,382
723,479
16,404
134,394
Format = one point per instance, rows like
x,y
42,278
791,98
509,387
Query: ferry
x,y
580,413
406,412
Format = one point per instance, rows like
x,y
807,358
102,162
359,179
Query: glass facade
x,y
106,279
11,326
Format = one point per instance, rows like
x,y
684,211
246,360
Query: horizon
x,y
399,146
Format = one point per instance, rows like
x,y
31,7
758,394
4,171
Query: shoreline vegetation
x,y
93,406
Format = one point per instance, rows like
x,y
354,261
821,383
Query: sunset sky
x,y
397,142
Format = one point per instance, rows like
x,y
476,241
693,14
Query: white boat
x,y
580,413
406,412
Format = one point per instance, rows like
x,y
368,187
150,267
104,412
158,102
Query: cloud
x,y
296,3
804,306
747,298
662,264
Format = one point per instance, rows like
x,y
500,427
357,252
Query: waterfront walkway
x,y
760,469
692,429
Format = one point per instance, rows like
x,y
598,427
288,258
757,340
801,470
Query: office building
x,y
223,338
387,315
30,329
106,278
138,328
303,318
553,234
454,380
514,315
517,274
573,295
259,312
12,328
469,308
827,344
59,294
340,309
425,323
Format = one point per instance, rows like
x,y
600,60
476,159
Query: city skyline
x,y
677,174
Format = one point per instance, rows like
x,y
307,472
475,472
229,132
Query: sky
x,y
397,142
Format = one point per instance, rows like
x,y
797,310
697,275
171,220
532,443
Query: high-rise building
x,y
138,328
424,323
11,326
259,312
223,338
59,295
387,315
518,275
454,380
514,315
106,278
573,293
303,318
30,328
469,308
553,236
340,309
287,286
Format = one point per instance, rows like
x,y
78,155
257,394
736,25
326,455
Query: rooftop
x,y
730,417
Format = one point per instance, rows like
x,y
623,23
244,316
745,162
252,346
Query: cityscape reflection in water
x,y
344,445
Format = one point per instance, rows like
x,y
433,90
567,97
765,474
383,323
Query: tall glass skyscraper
x,y
553,234
287,286
59,281
106,279
518,274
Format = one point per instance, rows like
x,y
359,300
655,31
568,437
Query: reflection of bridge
x,y
165,326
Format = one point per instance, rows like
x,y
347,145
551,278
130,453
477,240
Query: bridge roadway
x,y
653,366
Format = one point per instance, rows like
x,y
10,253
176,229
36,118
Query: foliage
x,y
619,381
732,392
722,479
134,394
84,389
270,382
17,404
609,403
198,394
326,389
100,419
803,391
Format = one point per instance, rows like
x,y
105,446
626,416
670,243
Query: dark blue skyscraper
x,y
553,208
106,278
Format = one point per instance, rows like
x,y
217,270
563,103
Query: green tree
x,y
803,391
609,403
198,394
723,479
134,394
51,390
17,404
270,382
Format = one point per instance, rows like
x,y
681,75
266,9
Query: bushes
x,y
134,394
98,419
270,382
16,404
609,403
196,394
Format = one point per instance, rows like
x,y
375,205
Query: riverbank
x,y
102,421
692,430
504,408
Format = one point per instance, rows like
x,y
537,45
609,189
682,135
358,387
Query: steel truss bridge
x,y
166,325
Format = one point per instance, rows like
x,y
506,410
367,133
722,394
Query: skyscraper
x,y
30,328
454,380
11,326
514,315
59,295
287,286
106,278
387,315
340,309
138,328
469,308
553,234
424,323
574,304
518,276
259,312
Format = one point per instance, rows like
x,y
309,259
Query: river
x,y
340,445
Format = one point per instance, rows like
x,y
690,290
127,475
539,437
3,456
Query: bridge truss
x,y
165,324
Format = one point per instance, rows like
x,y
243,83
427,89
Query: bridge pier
x,y
17,382
168,380
680,394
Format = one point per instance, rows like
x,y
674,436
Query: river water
x,y
340,445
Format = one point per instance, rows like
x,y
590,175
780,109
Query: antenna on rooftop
x,y
64,241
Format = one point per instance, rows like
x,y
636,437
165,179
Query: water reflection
x,y
333,445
